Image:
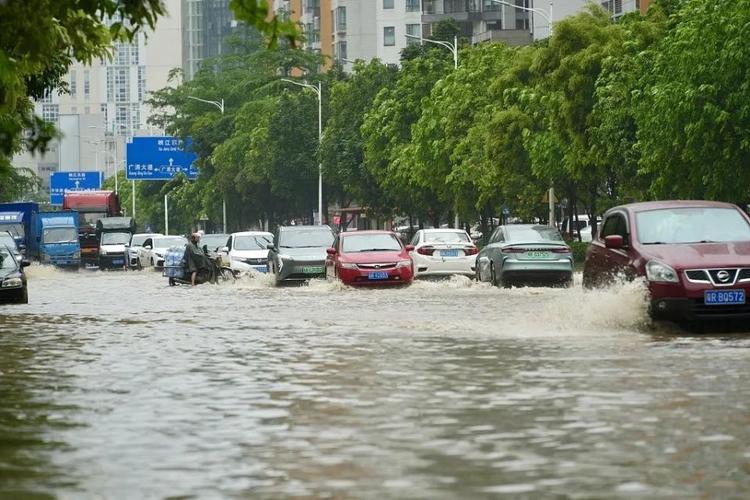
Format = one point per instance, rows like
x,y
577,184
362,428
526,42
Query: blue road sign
x,y
59,182
159,159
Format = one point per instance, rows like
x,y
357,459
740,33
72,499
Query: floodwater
x,y
114,385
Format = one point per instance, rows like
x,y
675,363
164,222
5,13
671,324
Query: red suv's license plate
x,y
723,297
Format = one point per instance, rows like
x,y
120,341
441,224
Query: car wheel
x,y
152,262
493,277
172,282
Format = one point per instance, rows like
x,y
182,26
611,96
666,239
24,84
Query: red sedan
x,y
370,258
695,256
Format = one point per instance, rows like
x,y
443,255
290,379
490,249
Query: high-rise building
x,y
205,26
106,101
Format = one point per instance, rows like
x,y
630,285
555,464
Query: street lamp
x,y
545,15
220,105
548,17
453,47
319,92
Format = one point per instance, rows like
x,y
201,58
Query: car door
x,y
143,252
485,255
331,261
619,260
602,263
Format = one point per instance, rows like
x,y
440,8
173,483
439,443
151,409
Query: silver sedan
x,y
525,254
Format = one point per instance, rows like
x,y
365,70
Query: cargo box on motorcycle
x,y
174,262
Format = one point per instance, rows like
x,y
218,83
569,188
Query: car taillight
x,y
513,250
561,250
471,251
425,250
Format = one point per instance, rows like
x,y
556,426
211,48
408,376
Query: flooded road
x,y
113,385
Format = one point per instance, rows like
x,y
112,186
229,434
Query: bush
x,y
579,251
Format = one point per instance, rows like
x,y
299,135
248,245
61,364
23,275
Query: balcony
x,y
461,10
513,38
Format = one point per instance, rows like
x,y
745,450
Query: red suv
x,y
695,256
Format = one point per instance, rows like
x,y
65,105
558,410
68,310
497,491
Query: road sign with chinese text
x,y
159,159
60,182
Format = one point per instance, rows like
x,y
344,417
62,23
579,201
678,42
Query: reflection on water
x,y
115,385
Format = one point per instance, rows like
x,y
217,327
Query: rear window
x,y
532,234
691,225
446,237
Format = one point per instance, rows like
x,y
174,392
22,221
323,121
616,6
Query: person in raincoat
x,y
196,261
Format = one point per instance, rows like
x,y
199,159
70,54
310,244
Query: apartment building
x,y
106,101
399,24
205,26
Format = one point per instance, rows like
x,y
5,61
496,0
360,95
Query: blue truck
x,y
56,234
17,219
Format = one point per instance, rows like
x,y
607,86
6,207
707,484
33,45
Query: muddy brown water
x,y
114,385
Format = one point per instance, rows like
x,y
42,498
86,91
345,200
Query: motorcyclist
x,y
196,260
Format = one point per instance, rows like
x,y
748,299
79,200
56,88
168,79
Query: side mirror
x,y
331,251
147,247
225,249
409,248
270,246
614,241
25,263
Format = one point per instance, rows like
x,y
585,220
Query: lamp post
x,y
319,92
166,215
548,17
453,47
545,15
220,105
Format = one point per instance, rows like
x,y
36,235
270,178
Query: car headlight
x,y
347,265
238,259
660,272
102,251
160,255
404,263
12,283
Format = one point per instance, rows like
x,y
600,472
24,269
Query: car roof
x,y
368,231
443,230
252,233
527,226
660,205
299,228
148,234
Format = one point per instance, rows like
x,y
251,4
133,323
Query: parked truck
x,y
16,218
56,234
114,235
91,206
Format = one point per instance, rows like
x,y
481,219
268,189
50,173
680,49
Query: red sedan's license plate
x,y
380,275
723,297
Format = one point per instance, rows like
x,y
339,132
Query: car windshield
x,y
59,235
90,218
257,242
15,229
115,238
6,259
691,225
306,238
370,243
7,240
214,241
532,234
169,242
446,237
138,239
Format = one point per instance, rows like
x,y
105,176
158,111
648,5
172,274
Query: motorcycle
x,y
175,268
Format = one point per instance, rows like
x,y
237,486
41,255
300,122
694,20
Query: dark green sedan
x,y
525,254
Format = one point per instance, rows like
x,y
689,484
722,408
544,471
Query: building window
x,y
490,6
412,6
73,84
50,112
86,83
134,52
103,111
141,83
122,85
413,30
387,4
121,118
389,36
341,51
340,18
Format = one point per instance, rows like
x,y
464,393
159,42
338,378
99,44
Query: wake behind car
x,y
443,252
694,255
370,258
525,254
299,252
12,278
